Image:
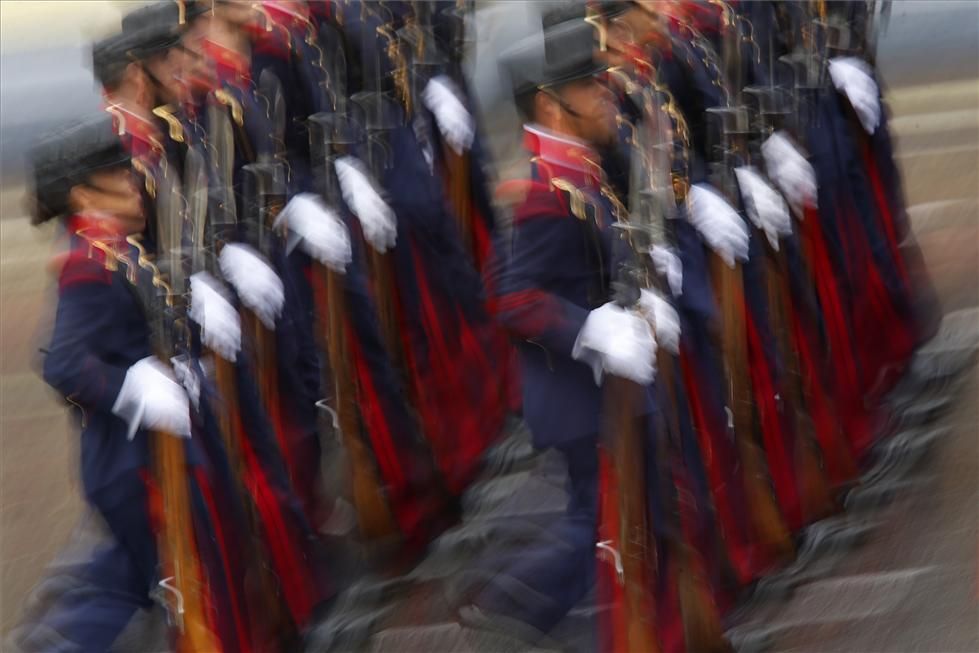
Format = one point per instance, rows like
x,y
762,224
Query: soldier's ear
x,y
81,198
547,110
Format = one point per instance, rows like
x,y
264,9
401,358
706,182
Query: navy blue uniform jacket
x,y
100,330
557,269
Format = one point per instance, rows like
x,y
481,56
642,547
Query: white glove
x,y
718,223
257,284
454,121
150,398
218,319
376,217
765,207
789,169
663,317
618,342
854,78
318,229
668,265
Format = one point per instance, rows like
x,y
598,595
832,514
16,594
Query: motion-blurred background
x,y
929,56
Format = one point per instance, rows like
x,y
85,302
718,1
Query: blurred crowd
x,y
299,315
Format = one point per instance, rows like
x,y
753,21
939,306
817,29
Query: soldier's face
x,y
590,111
167,70
116,194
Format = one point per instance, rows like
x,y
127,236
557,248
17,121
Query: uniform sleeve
x,y
524,304
73,365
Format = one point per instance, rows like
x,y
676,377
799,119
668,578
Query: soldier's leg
x,y
118,578
549,580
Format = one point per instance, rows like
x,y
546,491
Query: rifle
x,y
422,63
813,489
373,513
730,128
374,108
215,229
624,529
264,194
180,571
654,189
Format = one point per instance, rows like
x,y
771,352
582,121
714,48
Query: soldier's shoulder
x,y
90,258
531,200
78,267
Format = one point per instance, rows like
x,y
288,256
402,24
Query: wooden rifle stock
x,y
180,568
459,192
176,548
382,274
267,373
765,515
633,538
813,486
262,588
373,513
702,630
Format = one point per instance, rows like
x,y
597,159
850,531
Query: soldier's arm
x,y
73,364
523,305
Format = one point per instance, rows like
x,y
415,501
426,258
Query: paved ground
x,y
913,587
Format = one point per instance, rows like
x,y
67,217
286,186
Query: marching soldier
x,y
430,294
699,548
100,360
642,42
586,362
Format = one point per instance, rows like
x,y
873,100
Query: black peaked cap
x,y
64,158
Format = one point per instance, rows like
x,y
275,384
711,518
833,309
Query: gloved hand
x,y
718,223
854,78
318,229
663,317
668,265
376,217
454,121
257,284
618,342
151,399
218,319
790,171
765,207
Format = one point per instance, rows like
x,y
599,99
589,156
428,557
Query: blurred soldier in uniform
x,y
555,298
99,359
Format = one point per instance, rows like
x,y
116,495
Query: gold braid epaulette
x,y
401,72
112,256
576,197
149,181
165,113
147,263
226,99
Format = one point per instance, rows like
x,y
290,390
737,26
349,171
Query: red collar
x,y
101,227
139,135
562,156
